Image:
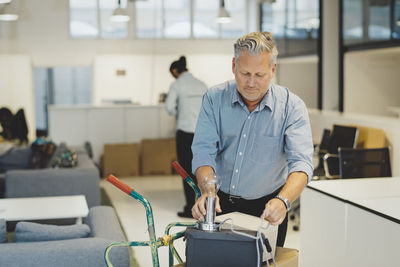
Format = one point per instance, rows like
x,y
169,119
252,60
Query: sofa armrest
x,y
54,182
69,253
104,223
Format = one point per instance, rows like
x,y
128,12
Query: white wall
x,y
16,87
372,81
300,75
148,75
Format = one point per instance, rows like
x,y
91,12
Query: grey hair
x,y
255,43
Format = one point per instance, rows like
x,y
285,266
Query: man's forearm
x,y
201,172
294,186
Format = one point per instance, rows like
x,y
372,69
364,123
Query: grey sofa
x,y
82,179
105,229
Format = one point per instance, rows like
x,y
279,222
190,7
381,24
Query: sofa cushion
x,y
3,231
29,232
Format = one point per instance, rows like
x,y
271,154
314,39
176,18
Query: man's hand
x,y
275,211
199,208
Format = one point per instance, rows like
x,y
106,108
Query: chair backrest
x,y
369,137
362,163
342,136
323,145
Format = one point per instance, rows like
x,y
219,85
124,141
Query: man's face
x,y
253,75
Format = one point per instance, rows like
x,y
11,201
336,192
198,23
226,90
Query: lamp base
x,y
209,227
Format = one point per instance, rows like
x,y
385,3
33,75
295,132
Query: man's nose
x,y
251,82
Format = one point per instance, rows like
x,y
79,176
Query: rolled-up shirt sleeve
x,y
298,140
206,137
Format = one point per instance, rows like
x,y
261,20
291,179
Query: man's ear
x,y
273,69
233,64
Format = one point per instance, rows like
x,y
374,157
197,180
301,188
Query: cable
x,y
258,238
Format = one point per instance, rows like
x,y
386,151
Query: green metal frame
x,y
154,243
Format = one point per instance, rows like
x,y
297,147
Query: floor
x,y
165,193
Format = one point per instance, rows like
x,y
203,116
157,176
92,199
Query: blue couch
x,y
105,229
81,180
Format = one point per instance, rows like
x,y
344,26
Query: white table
x,y
350,222
44,208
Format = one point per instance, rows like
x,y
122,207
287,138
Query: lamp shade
x,y
7,13
223,16
119,15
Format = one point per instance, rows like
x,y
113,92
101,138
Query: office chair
x,y
362,163
321,149
341,136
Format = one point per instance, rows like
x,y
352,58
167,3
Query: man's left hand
x,y
275,211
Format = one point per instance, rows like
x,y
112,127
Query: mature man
x,y
256,136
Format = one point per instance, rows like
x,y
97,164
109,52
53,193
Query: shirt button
x,y
249,117
240,153
236,170
244,135
233,186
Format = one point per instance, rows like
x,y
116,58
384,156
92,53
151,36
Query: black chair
x,y
363,163
321,150
341,136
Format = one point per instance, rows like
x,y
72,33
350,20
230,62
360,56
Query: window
x,y
373,21
205,13
60,86
396,22
294,25
169,19
177,18
91,19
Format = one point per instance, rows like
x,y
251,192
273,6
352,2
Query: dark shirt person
x,y
256,136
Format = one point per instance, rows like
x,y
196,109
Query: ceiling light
x,y
223,15
119,14
7,14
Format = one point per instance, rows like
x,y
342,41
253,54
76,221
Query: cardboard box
x,y
121,160
284,257
157,156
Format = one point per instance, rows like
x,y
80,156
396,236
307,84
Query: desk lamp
x,y
211,183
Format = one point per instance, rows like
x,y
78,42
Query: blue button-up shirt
x,y
252,152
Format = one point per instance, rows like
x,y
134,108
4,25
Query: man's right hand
x,y
199,209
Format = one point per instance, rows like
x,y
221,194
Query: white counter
x,y
350,222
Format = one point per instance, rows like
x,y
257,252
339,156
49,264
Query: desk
x,y
44,208
350,222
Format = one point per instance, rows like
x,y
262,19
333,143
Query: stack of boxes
x,y
151,157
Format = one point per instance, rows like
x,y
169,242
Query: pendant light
x,y
6,11
223,15
119,14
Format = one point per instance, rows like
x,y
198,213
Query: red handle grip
x,y
118,183
178,168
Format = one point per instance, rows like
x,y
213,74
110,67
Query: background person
x,y
256,136
184,101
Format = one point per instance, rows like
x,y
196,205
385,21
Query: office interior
x,y
80,77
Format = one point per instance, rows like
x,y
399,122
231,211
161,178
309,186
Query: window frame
x,y
131,27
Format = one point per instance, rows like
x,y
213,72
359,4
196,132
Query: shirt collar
x,y
266,101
